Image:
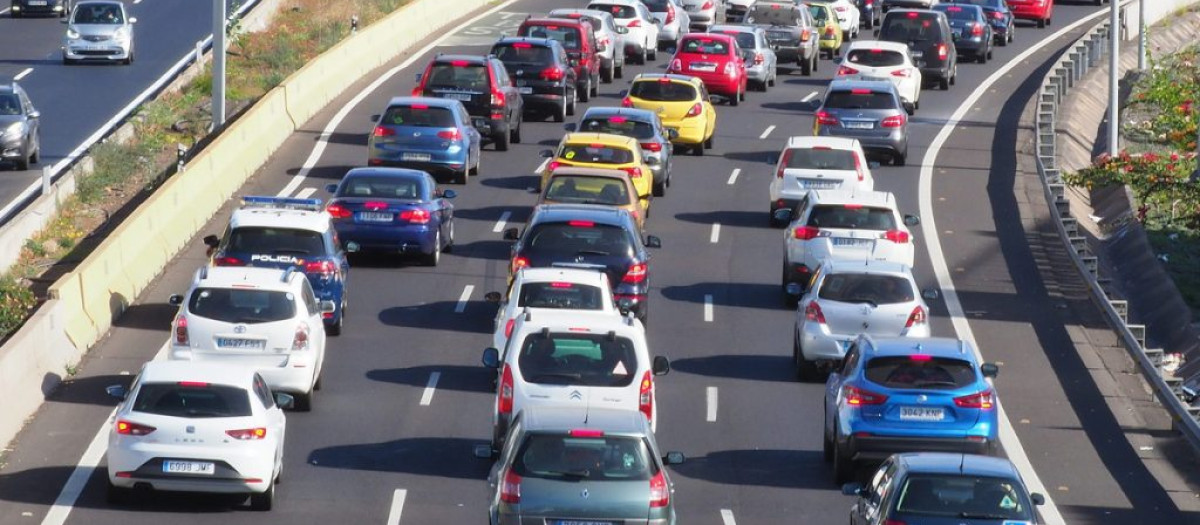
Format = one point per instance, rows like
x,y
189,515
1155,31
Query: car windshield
x,y
242,306
473,77
523,53
851,216
275,241
819,12
418,115
618,126
915,27
875,57
859,99
820,159
957,12
380,187
704,46
920,371
618,11
584,189
577,358
774,13
580,237
192,400
962,497
567,35
568,295
573,459
595,154
660,91
9,104
99,14
867,288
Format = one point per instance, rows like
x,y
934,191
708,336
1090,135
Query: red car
x,y
578,38
716,60
1039,11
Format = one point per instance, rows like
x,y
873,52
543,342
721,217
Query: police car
x,y
274,232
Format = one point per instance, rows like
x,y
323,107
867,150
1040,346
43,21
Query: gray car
x,y
571,465
791,32
870,111
644,126
99,30
760,58
19,127
705,13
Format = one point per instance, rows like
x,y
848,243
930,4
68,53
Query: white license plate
x,y
38,2
465,97
416,157
812,184
189,467
525,90
850,241
479,122
233,342
373,216
703,68
580,522
922,413
917,54
858,125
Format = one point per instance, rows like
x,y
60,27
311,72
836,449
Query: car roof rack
x,y
281,203
287,274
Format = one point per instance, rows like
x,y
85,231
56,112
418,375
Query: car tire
x,y
606,74
806,67
22,163
432,258
335,329
586,95
771,221
954,74
698,150
449,247
474,172
983,57
736,98
1041,24
115,495
501,141
653,54
843,467
774,76
899,159
619,71
641,59
67,62
659,189
596,86
263,501
944,84
36,157
989,53
1012,34
708,143
826,442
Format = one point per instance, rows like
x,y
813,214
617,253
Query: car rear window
x,y
572,459
619,12
774,14
380,187
523,53
595,154
192,400
957,12
921,371
910,27
663,91
963,497
875,57
819,13
986,4
574,358
567,35
851,217
704,46
583,189
237,305
473,77
745,40
865,287
581,238
656,6
275,241
819,159
568,295
860,99
418,115
619,125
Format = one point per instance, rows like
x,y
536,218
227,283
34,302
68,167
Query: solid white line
x,y
462,299
5,10
323,140
767,132
710,394
708,308
427,395
716,233
306,193
499,227
1008,436
733,176
23,74
397,506
809,97
727,517
136,2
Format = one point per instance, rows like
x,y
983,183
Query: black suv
x,y
482,84
591,237
972,30
930,40
543,74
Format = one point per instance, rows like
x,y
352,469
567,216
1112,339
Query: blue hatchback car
x,y
395,210
430,134
897,394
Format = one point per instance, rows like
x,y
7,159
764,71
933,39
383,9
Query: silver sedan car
x,y
705,13
99,30
757,52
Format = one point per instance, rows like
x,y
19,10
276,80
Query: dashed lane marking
x,y
462,299
727,517
716,233
500,223
23,73
809,97
397,506
306,193
708,308
767,132
430,387
711,395
733,176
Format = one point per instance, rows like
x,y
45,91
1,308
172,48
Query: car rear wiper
x,y
591,252
863,300
981,516
578,474
541,378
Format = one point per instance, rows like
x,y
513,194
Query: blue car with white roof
x,y
393,210
426,133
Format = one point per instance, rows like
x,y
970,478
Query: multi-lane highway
x,y
372,451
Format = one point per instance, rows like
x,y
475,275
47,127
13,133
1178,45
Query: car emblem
x,y
579,258
416,133
583,493
866,325
520,72
239,329
191,429
922,398
866,309
576,395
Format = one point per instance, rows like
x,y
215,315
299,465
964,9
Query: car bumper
x,y
1029,12
872,140
970,46
691,130
830,44
51,7
409,239
670,33
785,54
543,100
445,166
819,344
758,73
100,51
249,468
12,149
718,84
875,447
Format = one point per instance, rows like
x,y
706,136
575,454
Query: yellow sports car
x,y
681,102
828,27
602,150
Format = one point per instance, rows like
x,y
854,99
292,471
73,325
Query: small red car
x,y
578,38
1039,11
716,60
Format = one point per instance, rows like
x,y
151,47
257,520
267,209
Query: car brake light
x,y
860,91
695,110
384,131
670,13
902,73
553,73
729,70
227,261
553,165
651,146
510,489
954,9
248,434
633,171
646,397
982,400
194,384
660,494
129,428
636,273
181,331
508,327
942,51
504,394
812,312
893,121
338,211
417,216
806,233
783,162
896,236
497,99
626,103
300,340
824,118
859,397
459,63
858,168
449,134
921,358
840,8
676,66
977,30
519,262
829,31
707,5
912,14
581,224
846,70
325,269
998,15
585,433
522,45
634,23
758,58
917,317
805,35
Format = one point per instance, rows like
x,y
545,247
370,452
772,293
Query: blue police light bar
x,y
282,203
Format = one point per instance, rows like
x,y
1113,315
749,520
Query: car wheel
x,y
944,84
619,71
774,76
67,61
304,402
641,59
954,74
898,159
1012,34
449,247
826,442
606,74
843,467
654,54
596,86
736,98
514,134
474,172
806,67
432,258
336,328
22,163
698,150
117,495
586,95
501,141
989,53
771,221
1041,24
708,143
659,189
263,501
36,157
806,371
815,64
1050,21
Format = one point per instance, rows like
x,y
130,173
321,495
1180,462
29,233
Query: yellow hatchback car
x,y
826,21
681,102
602,150
607,187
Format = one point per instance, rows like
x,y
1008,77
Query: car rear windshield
x,y
704,46
380,187
657,6
875,57
963,497
418,115
663,91
572,459
595,154
775,14
192,400
276,241
618,126
744,40
986,4
567,35
595,239
575,358
523,53
819,159
573,296
910,27
860,99
618,11
920,371
957,12
867,288
851,217
236,305
471,77
819,13
583,189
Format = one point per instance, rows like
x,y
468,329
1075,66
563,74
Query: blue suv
x,y
895,395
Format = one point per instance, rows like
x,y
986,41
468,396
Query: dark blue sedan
x,y
432,134
393,210
999,15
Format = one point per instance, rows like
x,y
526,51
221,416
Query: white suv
x,y
818,163
841,224
550,288
884,60
641,36
574,359
267,319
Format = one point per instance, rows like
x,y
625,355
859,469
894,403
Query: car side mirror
x,y
175,299
117,391
570,127
674,458
331,188
484,451
1037,499
511,234
661,365
672,134
623,93
989,370
375,117
546,154
852,489
651,161
491,358
492,297
328,307
653,242
211,241
35,114
782,216
910,108
449,194
911,220
284,401
930,294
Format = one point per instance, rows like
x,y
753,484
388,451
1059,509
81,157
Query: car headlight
x,y
121,34
14,130
72,33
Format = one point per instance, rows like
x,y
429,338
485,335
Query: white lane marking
x,y
809,97
427,395
5,10
323,139
306,193
708,308
499,227
136,2
767,132
23,74
541,167
1008,437
716,233
710,394
734,175
397,506
727,517
462,299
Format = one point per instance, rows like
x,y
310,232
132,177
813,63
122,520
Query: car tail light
x,y
554,73
917,317
981,400
829,32
519,262
812,312
897,236
626,103
384,131
824,118
858,168
783,162
729,69
859,397
913,14
651,146
670,13
646,396
758,58
459,63
943,51
585,433
805,35
300,340
660,494
504,394
417,216
636,273
634,172
806,233
325,269
581,224
497,99
508,327
338,211
977,30
510,489
227,261
449,134
634,23
707,5
129,428
417,91
846,70
893,121
248,434
902,73
676,66
181,331
840,8
695,110
553,165
998,15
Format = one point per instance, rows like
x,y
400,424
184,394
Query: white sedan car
x,y
641,40
197,427
817,163
847,15
551,288
877,59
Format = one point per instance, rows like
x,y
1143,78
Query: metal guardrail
x,y
1080,57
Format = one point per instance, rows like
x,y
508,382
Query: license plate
x,y
850,241
479,122
813,184
704,68
917,54
373,216
580,522
525,90
189,467
465,97
416,157
858,125
37,2
922,413
233,342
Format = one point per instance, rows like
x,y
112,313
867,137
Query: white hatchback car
x,y
641,37
848,298
99,30
574,359
197,428
882,60
266,319
817,163
550,288
842,225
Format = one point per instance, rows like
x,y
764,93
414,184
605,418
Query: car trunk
x,y
844,317
379,212
922,409
800,180
607,501
256,344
